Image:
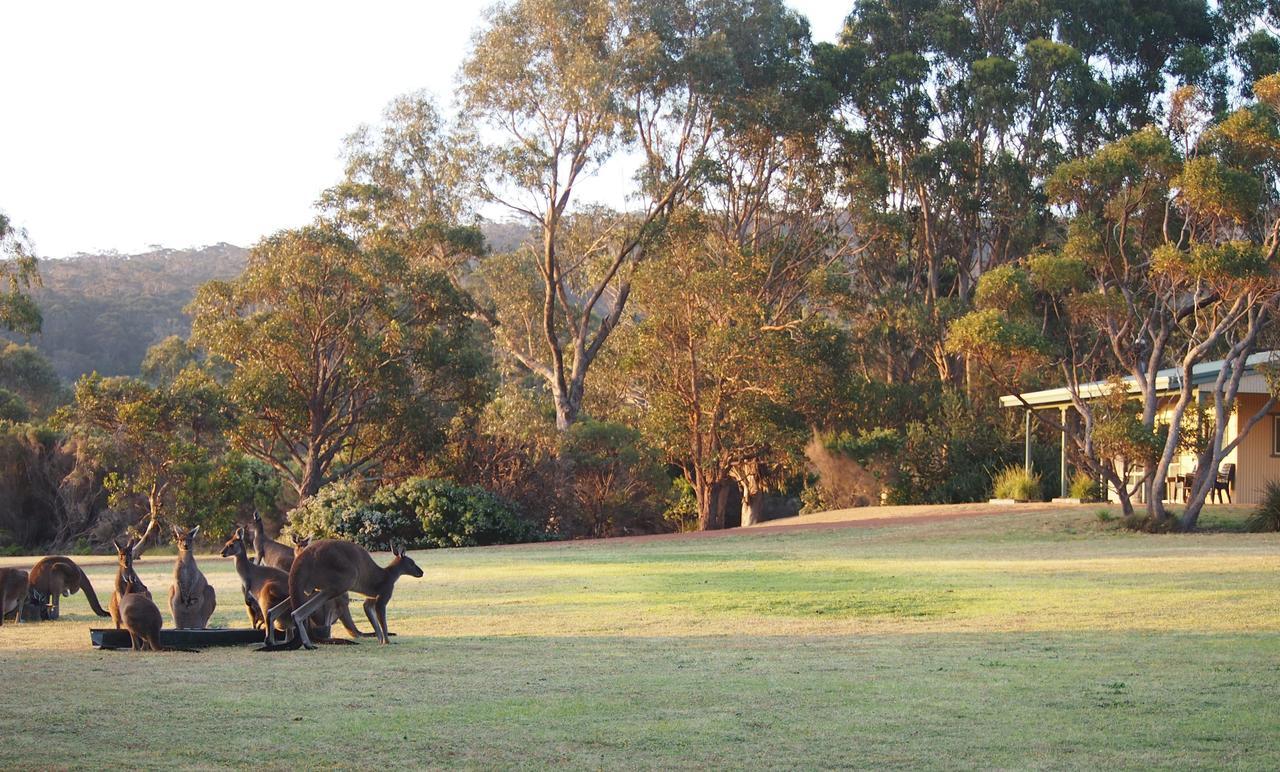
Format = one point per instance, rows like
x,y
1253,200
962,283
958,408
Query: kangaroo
x,y
191,598
141,616
13,593
329,568
338,610
57,576
268,551
127,581
252,576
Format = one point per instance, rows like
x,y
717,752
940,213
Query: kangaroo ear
x,y
257,518
116,544
193,533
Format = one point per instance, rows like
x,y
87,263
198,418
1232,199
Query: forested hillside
x,y
102,312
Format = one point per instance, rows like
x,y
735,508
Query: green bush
x,y
344,511
1266,517
452,515
1014,482
1084,487
420,513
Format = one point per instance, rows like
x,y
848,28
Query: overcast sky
x,y
125,125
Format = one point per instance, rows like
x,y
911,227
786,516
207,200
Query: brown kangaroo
x,y
191,598
329,568
338,610
127,581
57,576
139,614
252,576
13,593
268,551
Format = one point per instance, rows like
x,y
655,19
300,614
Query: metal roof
x,y
1166,380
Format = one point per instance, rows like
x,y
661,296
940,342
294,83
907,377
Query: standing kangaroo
x,y
191,599
58,576
337,610
252,576
329,568
127,581
13,593
268,551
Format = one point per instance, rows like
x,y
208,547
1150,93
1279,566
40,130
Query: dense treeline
x,y
830,261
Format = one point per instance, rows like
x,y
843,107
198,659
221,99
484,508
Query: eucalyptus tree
x,y
956,111
340,355
1169,262
19,272
570,90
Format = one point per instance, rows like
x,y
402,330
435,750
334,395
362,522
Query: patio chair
x,y
1225,481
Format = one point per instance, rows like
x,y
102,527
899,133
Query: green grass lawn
x,y
1048,639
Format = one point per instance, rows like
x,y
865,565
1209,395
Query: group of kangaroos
x,y
298,592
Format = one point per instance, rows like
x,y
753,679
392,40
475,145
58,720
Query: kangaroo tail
x,y
296,583
90,595
294,642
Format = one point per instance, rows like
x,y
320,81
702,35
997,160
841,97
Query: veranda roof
x,y
1169,379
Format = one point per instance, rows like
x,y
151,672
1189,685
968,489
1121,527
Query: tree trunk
x,y
712,501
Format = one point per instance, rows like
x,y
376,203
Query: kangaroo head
x,y
125,562
403,563
234,545
185,539
300,543
124,555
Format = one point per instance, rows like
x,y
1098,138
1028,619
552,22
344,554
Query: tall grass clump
x,y
1084,487
1014,482
1267,516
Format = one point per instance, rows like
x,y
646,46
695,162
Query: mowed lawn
x,y
1042,639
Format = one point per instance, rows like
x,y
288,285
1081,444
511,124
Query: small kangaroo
x,y
127,581
13,593
252,576
191,598
141,616
58,576
329,568
268,551
338,610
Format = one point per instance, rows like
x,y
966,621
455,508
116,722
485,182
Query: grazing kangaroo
x,y
13,593
329,568
58,576
191,599
252,576
127,581
337,610
268,551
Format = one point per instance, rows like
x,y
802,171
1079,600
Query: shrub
x,y
343,511
1266,517
452,515
1084,487
682,514
617,484
1014,482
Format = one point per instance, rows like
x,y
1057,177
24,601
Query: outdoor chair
x,y
1225,481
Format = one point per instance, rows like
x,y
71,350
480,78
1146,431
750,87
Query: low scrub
x,y
1084,487
420,513
1015,482
1266,517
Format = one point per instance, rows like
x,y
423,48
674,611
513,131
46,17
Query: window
x,y
1275,435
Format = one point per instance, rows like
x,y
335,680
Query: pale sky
x,y
130,124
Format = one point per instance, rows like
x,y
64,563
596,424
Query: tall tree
x,y
19,271
340,355
570,86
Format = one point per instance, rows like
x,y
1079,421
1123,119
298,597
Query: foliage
x,y
19,272
619,487
341,355
420,513
451,515
1014,482
681,515
1266,517
1084,486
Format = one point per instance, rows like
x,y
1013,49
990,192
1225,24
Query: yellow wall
x,y
1256,465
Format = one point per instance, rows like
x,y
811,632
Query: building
x,y
1256,459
